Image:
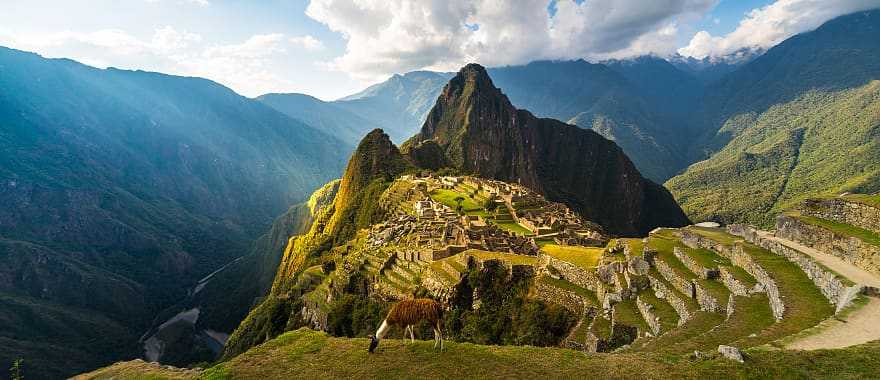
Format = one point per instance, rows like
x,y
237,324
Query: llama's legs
x,y
412,337
380,333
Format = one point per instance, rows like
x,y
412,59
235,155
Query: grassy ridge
x,y
309,355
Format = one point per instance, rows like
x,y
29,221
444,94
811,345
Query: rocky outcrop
x,y
843,211
837,290
850,249
481,132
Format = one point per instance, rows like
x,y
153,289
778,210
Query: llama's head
x,y
373,343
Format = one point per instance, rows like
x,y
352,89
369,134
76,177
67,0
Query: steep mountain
x,y
399,104
799,120
481,132
819,144
326,116
372,167
121,190
843,53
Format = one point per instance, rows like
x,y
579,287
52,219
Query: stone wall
x,y
662,292
735,286
847,248
840,210
745,261
707,301
699,270
647,312
570,272
837,290
684,286
565,298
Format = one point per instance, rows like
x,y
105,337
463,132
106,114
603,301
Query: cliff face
x,y
481,132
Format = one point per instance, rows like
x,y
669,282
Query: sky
x,y
333,48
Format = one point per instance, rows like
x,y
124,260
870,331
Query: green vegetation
x,y
505,314
510,258
451,199
844,229
308,354
584,257
821,143
586,294
512,227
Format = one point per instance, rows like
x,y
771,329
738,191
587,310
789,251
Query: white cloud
x,y
244,66
765,27
203,3
307,42
387,36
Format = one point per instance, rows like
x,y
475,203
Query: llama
x,y
407,313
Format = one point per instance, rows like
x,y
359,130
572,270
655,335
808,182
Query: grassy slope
x,y
820,143
308,354
583,257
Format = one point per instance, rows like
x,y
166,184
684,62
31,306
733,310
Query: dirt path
x,y
843,268
860,326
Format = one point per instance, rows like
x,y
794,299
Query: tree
x,y
15,370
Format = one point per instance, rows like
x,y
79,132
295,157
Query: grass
x,y
566,285
627,313
447,197
307,354
664,245
584,257
507,257
805,306
662,309
870,200
862,234
752,315
512,227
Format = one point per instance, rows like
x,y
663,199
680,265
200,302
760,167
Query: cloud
x,y
246,66
307,42
767,26
388,36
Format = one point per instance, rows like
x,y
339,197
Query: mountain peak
x,y
479,131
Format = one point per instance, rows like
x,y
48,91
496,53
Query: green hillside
x,y
821,143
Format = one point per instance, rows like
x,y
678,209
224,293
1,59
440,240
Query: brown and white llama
x,y
408,313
